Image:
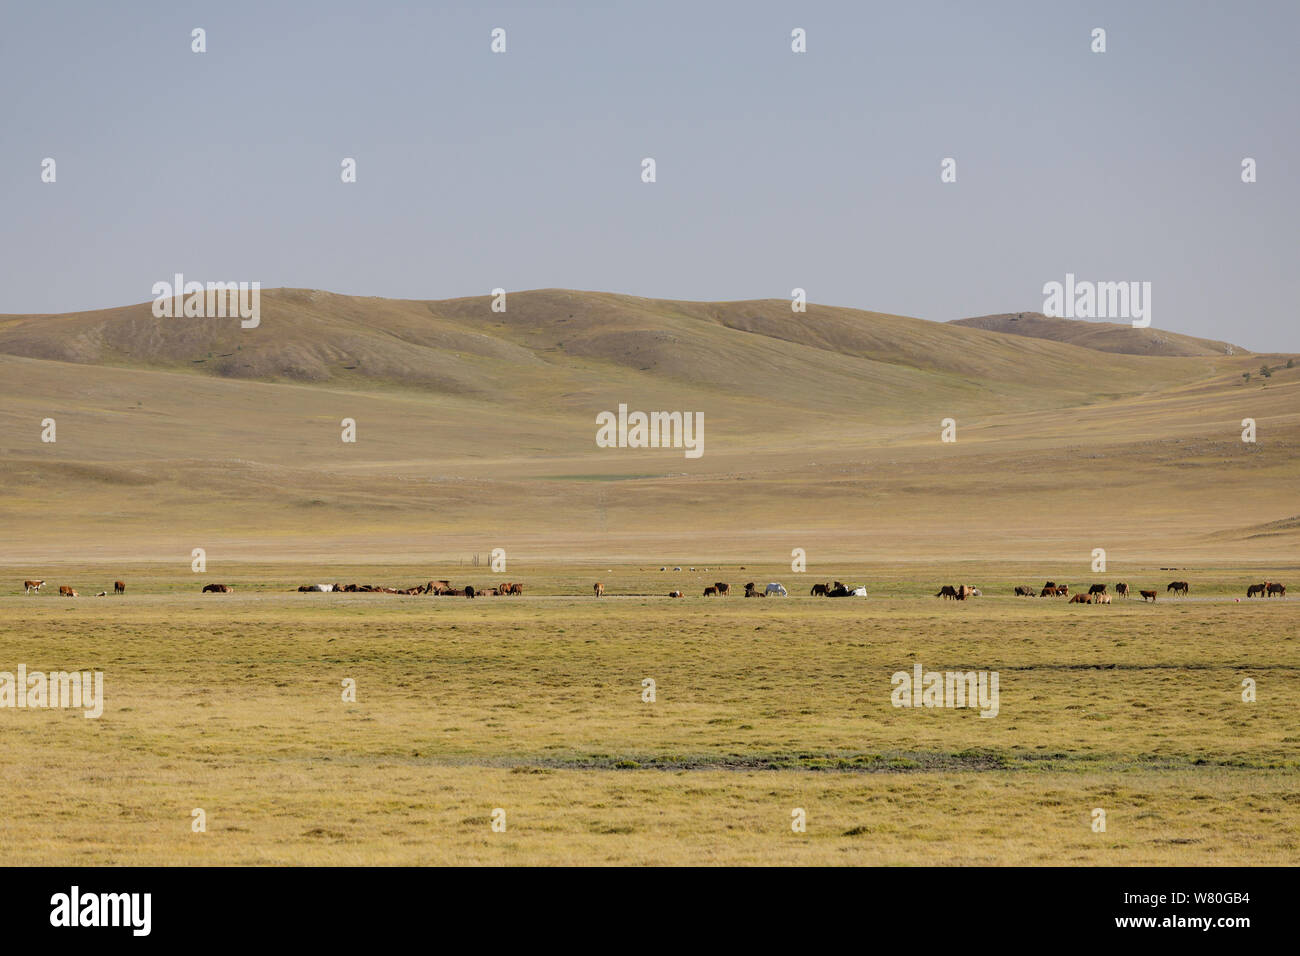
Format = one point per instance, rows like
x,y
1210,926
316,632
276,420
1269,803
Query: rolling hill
x,y
1120,338
477,428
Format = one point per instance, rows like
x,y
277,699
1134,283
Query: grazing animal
x,y
1063,590
1049,591
751,591
119,587
964,591
819,590
711,591
65,591
1102,598
469,591
517,589
1081,598
599,589
217,588
1050,584
1275,589
1097,589
1121,589
1148,594
1022,591
777,589
30,586
1178,587
674,594
724,590
102,594
1254,589
947,591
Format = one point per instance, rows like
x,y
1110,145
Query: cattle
x,y
1254,589
1102,598
217,589
1178,587
674,594
65,591
119,587
469,591
1275,589
1022,591
102,594
947,591
1049,591
599,589
1121,589
1081,598
1097,589
724,590
321,588
30,586
819,590
711,591
1148,595
776,588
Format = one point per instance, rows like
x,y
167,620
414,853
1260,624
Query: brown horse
x,y
819,590
711,591
1121,589
1049,591
1178,587
119,587
947,591
1254,589
1097,589
1081,598
1022,591
1275,589
599,589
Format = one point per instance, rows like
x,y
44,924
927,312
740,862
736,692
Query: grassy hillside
x,y
1120,338
477,430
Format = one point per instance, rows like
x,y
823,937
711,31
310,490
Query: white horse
x,y
775,588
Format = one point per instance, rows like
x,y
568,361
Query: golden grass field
x,y
233,704
475,432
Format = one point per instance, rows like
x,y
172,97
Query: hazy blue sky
x,y
775,169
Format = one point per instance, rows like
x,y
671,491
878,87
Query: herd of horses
x,y
1096,594
441,588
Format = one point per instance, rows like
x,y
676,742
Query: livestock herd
x,y
1096,594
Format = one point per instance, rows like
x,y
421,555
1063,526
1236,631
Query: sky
x,y
775,170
